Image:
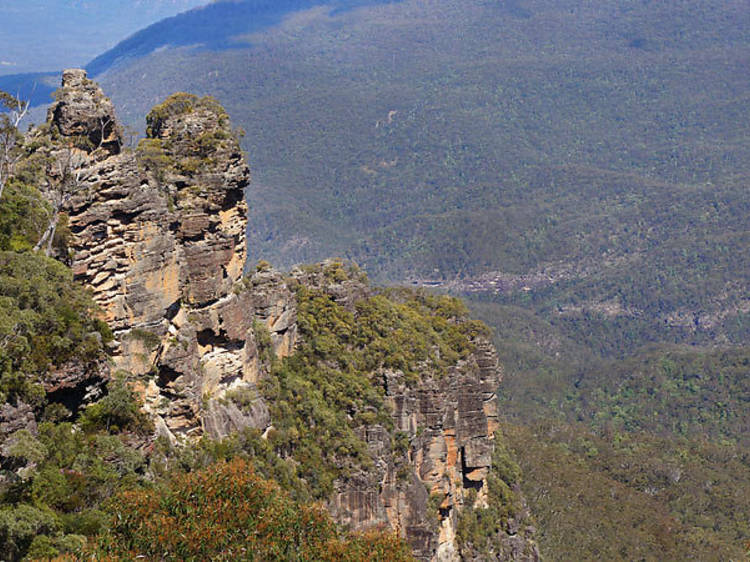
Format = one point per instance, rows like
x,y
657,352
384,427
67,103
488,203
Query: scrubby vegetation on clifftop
x,y
228,512
334,385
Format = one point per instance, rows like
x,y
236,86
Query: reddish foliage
x,y
228,512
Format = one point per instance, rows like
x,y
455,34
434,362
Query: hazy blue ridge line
x,y
215,26
37,87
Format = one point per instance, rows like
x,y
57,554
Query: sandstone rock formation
x,y
449,422
446,427
159,235
82,111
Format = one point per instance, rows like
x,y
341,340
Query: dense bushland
x,y
655,443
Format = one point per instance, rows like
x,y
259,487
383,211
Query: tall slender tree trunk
x,y
48,236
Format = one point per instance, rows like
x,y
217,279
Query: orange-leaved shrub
x,y
228,512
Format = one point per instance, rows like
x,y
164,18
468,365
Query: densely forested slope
x,y
669,390
217,26
599,148
214,25
654,443
627,496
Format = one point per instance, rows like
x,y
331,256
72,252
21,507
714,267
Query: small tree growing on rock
x,y
68,172
13,111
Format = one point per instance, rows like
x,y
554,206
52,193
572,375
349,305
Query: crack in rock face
x,y
158,234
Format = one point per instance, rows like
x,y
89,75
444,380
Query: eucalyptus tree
x,y
13,111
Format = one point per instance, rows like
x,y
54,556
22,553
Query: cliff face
x,y
449,422
159,235
433,462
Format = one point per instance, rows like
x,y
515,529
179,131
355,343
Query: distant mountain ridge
x,y
46,35
216,26
36,87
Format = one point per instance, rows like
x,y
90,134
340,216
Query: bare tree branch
x,y
70,173
10,137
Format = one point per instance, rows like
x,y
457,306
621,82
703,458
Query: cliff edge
x,y
158,234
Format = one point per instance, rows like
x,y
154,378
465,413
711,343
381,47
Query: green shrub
x,y
20,525
118,411
45,320
24,215
153,157
179,103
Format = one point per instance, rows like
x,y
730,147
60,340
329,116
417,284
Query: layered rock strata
x,y
449,422
446,424
158,234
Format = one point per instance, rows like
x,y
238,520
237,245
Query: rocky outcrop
x,y
15,418
159,235
435,459
448,422
76,383
82,112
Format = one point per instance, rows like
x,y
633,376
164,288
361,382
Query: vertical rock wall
x,y
449,422
159,235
